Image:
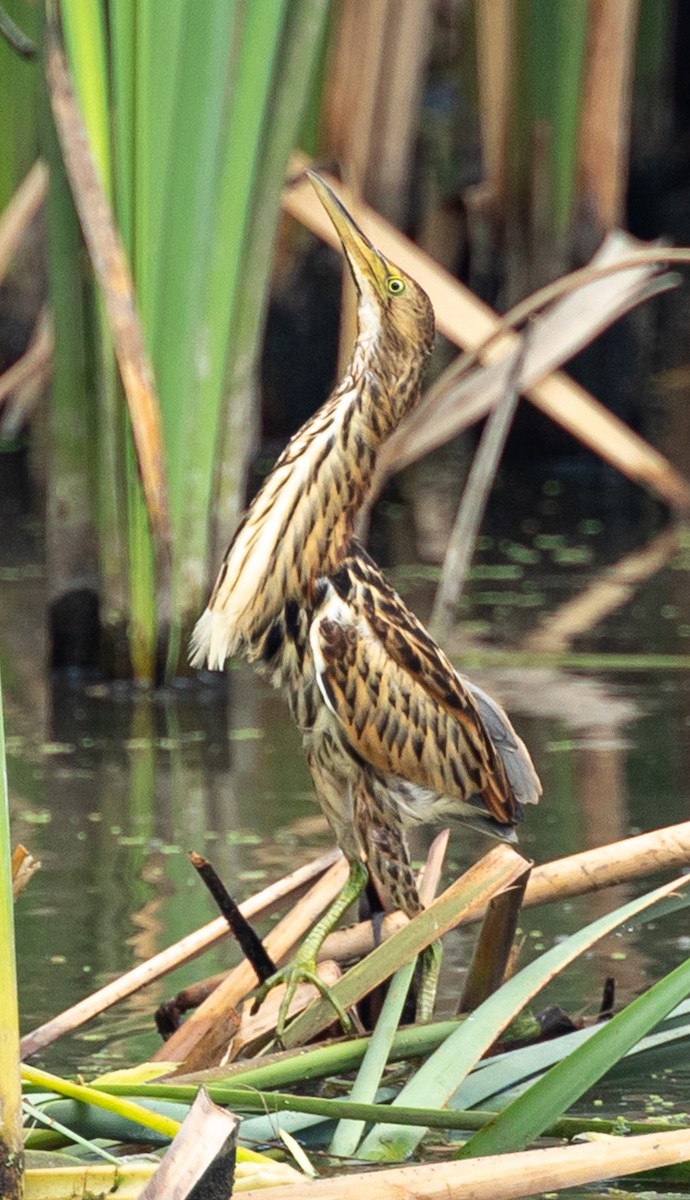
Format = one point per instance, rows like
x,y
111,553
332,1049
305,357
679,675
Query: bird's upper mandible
x,y
393,310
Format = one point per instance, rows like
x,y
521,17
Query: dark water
x,y
111,788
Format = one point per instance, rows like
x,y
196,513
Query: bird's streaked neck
x,y
303,517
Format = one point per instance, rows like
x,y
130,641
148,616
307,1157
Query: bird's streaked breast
x,y
292,532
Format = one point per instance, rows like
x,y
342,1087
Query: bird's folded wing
x,y
522,776
408,643
429,735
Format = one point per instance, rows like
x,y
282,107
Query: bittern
x,y
391,731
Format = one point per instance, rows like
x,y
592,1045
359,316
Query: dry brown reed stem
x,y
430,878
373,83
20,212
605,115
242,979
495,34
500,1177
23,867
665,849
111,268
24,381
263,904
608,592
469,323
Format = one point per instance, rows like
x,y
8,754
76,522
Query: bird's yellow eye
x,y
395,285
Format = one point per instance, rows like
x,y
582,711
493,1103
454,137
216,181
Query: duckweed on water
x,y
573,556
497,571
519,553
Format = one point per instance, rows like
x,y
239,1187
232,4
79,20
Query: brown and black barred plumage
x,y
392,733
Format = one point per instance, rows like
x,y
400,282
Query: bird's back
x,y
399,705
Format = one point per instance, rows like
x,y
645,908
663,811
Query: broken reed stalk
x,y
494,947
263,904
202,1156
463,536
242,979
504,1176
248,941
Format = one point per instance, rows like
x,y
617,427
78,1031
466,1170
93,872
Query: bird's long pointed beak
x,y
367,265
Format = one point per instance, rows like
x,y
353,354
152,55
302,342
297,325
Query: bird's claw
x,y
296,972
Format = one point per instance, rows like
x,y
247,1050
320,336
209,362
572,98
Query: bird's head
x,y
392,307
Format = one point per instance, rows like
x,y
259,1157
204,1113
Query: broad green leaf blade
x,y
348,1133
529,1115
517,1069
483,1086
442,1073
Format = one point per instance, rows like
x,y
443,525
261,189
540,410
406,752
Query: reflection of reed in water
x,y
612,588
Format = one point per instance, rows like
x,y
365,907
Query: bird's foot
x,y
302,969
430,968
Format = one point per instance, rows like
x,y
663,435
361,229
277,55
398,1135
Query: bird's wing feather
x,y
409,644
430,735
522,776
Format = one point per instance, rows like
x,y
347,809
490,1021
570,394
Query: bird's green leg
x,y
302,968
430,967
